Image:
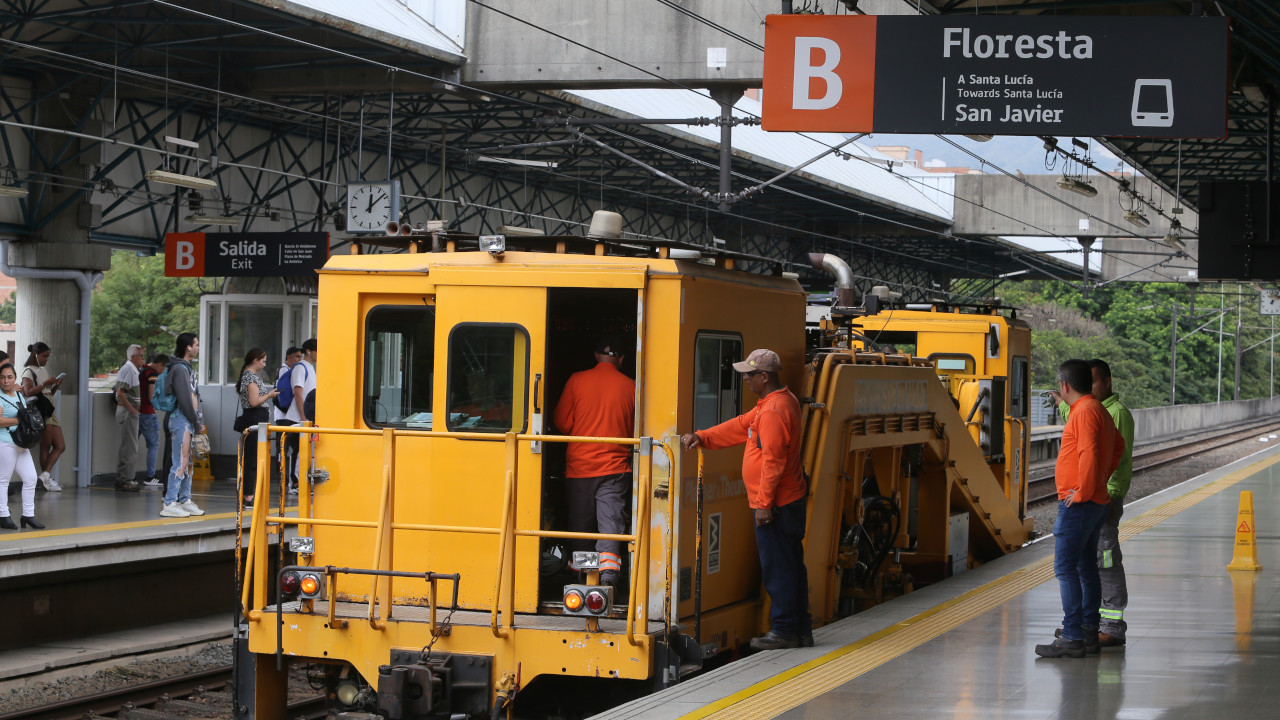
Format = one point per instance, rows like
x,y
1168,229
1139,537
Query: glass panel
x,y
487,367
950,364
249,326
1020,388
211,346
717,388
399,357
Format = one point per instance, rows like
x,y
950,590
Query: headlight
x,y
347,692
304,545
585,560
495,245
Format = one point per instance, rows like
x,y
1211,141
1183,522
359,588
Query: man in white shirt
x,y
303,380
128,402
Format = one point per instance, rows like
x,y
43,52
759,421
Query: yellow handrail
x,y
504,586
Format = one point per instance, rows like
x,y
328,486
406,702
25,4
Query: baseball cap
x,y
761,359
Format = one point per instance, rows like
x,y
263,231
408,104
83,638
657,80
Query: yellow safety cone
x,y
1246,552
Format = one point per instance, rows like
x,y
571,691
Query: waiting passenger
x,y
1090,452
185,422
599,402
1114,588
36,382
148,423
128,408
255,400
13,458
302,382
776,492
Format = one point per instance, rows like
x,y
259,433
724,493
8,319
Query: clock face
x,y
371,206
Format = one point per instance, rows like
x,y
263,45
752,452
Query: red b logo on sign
x,y
184,254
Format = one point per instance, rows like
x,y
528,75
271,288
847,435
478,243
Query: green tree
x,y
9,309
133,304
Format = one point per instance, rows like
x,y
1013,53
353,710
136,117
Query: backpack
x,y
285,385
30,425
162,398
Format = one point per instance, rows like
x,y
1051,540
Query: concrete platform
x,y
1202,643
96,526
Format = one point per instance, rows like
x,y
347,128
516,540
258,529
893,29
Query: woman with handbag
x,y
14,458
40,387
255,398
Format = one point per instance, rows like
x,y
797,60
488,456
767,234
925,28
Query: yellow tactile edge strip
x,y
60,532
774,696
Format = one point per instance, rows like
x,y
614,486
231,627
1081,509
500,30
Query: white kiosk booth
x,y
268,312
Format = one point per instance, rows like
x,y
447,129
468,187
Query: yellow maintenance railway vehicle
x,y
428,577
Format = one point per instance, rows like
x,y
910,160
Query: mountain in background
x,y
1024,154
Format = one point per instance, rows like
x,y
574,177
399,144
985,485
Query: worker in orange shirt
x,y
1090,452
600,402
776,492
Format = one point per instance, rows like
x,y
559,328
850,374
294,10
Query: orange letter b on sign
x,y
184,254
819,72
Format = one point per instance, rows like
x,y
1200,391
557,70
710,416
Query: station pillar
x,y
53,267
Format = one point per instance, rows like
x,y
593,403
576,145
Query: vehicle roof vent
x,y
605,225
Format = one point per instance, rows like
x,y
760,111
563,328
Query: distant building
x,y
915,158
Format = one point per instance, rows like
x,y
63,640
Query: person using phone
x,y
36,381
255,400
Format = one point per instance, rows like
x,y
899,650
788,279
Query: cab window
x,y
488,371
399,360
1019,388
717,388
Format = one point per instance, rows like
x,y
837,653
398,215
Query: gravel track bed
x,y
1160,478
134,673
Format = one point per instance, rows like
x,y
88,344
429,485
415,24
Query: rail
x,y
502,614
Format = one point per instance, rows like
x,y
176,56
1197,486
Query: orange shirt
x,y
771,461
600,402
1090,452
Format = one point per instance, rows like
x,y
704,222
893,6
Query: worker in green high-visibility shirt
x,y
1115,591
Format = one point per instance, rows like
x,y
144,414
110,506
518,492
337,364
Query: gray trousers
x,y
1115,591
600,504
127,423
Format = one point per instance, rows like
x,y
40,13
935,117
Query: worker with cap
x,y
776,491
600,402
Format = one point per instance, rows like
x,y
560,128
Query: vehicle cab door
x,y
489,381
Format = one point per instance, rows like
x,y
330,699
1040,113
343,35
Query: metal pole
x,y
1221,311
1273,356
1235,392
1173,358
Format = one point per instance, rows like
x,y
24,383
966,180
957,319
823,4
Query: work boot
x,y
1062,647
1091,645
126,486
806,640
1105,640
772,641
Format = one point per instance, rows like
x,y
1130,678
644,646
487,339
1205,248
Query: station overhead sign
x,y
244,254
997,75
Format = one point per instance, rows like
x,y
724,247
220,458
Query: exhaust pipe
x,y
833,265
392,228
406,230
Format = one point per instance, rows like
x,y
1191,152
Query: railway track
x,y
205,694
1042,488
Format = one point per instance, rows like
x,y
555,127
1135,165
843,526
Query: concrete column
x,y
47,311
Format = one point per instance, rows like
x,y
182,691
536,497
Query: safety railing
x,y
254,592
